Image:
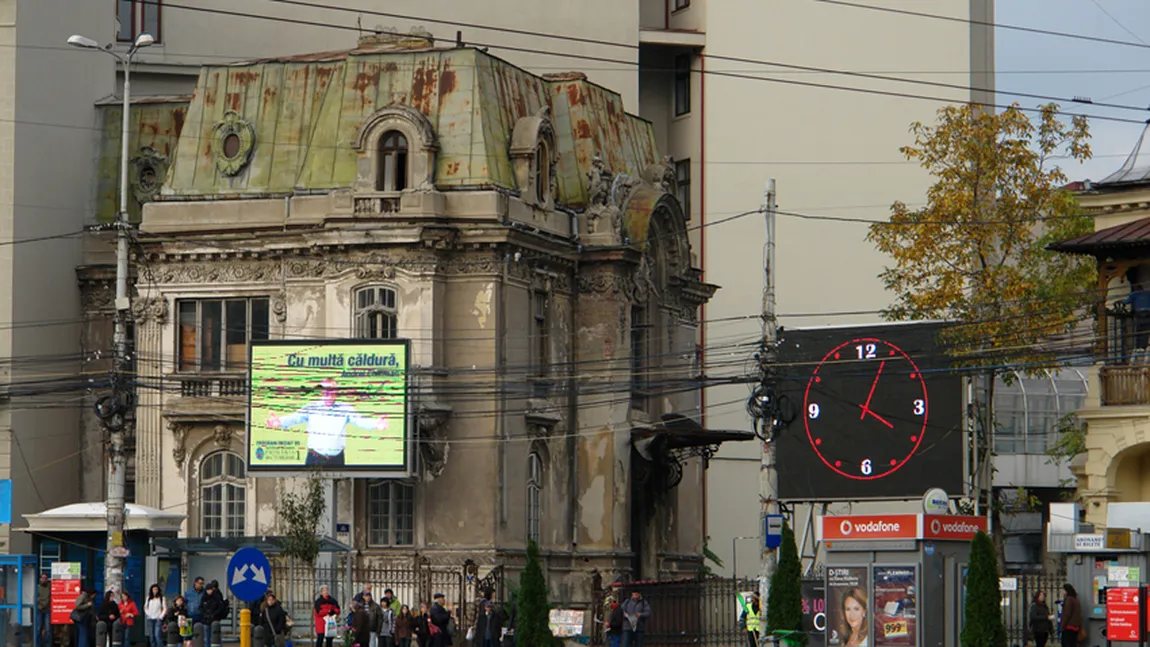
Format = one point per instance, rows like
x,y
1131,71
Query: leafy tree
x,y
785,596
983,625
976,254
533,611
299,516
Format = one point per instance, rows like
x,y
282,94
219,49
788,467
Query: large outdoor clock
x,y
865,409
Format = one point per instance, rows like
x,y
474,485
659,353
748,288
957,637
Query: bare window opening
x,y
231,145
534,497
542,174
392,162
682,84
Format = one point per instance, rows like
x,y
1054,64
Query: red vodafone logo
x,y
952,527
845,527
935,526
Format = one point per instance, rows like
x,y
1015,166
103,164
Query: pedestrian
x,y
44,611
421,626
1040,620
488,629
636,612
108,613
83,614
179,619
128,611
613,622
439,621
274,621
213,608
154,609
750,620
193,598
326,617
404,626
1071,627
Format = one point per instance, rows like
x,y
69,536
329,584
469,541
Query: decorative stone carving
x,y
542,417
222,434
307,269
151,167
279,307
433,445
97,297
150,309
598,182
223,271
180,432
662,174
609,285
233,141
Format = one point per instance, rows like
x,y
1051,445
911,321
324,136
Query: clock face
x,y
865,409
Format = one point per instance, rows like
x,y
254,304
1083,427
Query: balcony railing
x,y
212,386
1123,385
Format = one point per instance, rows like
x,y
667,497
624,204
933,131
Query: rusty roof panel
x,y
306,111
1130,235
154,123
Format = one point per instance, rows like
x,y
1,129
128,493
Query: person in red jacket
x,y
325,607
128,610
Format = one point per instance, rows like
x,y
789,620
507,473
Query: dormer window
x,y
542,174
392,162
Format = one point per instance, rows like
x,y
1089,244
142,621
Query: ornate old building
x,y
521,231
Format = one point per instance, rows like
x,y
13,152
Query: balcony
x,y
212,386
1125,385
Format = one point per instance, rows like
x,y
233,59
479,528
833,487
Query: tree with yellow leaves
x,y
976,255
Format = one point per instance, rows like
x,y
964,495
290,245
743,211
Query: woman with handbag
x,y
82,615
1073,631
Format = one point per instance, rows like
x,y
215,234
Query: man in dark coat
x,y
440,618
212,607
488,626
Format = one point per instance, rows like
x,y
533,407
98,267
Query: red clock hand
x,y
866,407
884,421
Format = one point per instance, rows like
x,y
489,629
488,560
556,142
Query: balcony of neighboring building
x,y
1028,410
672,23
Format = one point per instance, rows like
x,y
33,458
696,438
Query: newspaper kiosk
x,y
896,580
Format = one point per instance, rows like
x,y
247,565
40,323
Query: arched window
x,y
390,513
392,162
542,174
376,314
223,495
534,496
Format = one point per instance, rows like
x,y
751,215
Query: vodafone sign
x,y
870,526
901,526
951,527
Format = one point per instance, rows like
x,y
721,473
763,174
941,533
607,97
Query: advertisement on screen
x,y
338,406
895,598
847,607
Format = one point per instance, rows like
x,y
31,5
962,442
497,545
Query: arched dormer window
x,y
533,158
396,147
542,174
534,496
392,164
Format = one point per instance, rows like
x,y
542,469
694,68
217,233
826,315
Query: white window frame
x,y
386,314
230,493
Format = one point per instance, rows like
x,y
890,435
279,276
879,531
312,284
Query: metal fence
x,y
702,612
1016,603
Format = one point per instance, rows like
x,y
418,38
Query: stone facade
x,y
552,309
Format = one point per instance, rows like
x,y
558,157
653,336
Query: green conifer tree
x,y
983,625
785,597
533,624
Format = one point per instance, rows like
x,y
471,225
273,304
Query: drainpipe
x,y
573,412
702,350
501,385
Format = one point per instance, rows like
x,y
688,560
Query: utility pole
x,y
768,415
116,410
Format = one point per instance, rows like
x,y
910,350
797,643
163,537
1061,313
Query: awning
x,y
93,517
223,545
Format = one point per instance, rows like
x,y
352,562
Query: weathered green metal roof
x,y
306,111
154,127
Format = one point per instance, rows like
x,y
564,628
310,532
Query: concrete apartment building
x,y
729,124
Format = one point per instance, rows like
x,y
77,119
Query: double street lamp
x,y
114,409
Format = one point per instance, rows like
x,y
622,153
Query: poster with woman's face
x,y
847,609
895,599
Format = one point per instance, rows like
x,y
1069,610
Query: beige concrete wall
x,y
832,153
47,144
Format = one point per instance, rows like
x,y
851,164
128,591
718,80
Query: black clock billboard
x,y
879,413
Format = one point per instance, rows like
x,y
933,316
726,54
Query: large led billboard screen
x,y
337,406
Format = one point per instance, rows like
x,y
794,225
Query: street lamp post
x,y
114,410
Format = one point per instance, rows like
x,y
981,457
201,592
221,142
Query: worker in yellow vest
x,y
751,619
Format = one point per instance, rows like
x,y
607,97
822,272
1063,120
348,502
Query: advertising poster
x,y
895,597
815,612
63,591
328,405
1122,614
847,608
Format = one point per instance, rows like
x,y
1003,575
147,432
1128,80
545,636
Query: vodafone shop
x,y
896,580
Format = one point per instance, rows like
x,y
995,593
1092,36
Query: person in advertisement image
x,y
328,405
894,605
847,624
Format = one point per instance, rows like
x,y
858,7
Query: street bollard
x,y
117,634
258,637
245,628
198,635
173,633
101,633
214,636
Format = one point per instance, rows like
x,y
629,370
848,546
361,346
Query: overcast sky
x,y
1066,67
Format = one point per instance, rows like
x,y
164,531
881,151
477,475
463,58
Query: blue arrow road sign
x,y
248,573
